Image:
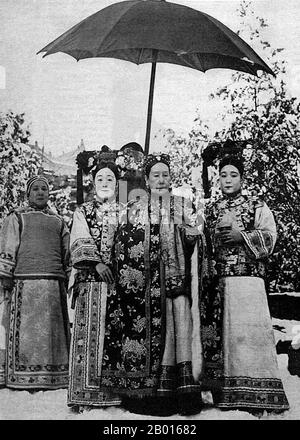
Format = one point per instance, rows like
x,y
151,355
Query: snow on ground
x,y
51,405
296,294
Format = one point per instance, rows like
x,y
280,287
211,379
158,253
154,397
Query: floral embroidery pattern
x,y
210,335
133,349
87,357
136,251
132,278
211,317
133,343
155,293
235,260
139,324
116,316
132,352
102,220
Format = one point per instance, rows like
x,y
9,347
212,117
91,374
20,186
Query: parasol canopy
x,y
157,31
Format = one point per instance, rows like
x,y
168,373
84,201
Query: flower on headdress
x,y
129,160
120,161
155,158
91,161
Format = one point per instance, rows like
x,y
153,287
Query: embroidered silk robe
x,y
148,348
238,341
92,238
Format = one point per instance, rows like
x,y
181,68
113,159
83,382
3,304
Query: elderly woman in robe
x,y
34,258
238,341
149,340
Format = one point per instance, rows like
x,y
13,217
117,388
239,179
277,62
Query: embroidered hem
x,y
252,393
43,382
23,370
87,347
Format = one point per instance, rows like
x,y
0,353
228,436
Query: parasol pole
x,y
150,101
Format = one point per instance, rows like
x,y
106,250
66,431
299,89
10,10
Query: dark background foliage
x,y
263,119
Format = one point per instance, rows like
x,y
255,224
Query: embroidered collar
x,y
106,205
235,200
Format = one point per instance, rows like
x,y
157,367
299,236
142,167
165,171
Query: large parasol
x,y
156,31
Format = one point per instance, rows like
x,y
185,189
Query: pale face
x,y
159,178
39,194
105,184
230,180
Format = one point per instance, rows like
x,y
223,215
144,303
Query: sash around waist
x,y
35,276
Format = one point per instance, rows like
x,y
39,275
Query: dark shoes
x,y
177,394
185,405
79,409
151,406
189,404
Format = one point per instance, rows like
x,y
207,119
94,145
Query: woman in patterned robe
x,y
92,237
34,256
238,341
148,346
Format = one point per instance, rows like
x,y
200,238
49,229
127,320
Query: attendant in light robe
x,y
238,341
34,258
92,238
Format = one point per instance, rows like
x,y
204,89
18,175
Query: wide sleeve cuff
x,y
84,253
7,266
9,244
260,243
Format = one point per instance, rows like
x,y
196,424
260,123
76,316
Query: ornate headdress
x,y
104,155
106,164
232,154
133,146
236,161
88,160
153,159
227,153
105,158
130,160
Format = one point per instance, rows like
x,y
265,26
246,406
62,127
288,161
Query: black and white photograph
x,y
150,212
